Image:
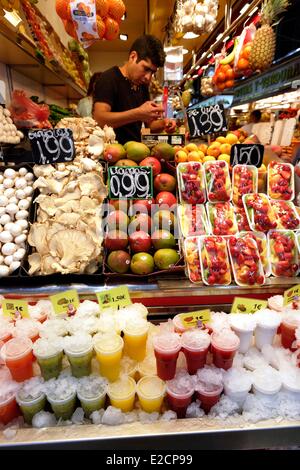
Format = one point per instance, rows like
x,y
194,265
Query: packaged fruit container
x,y
192,258
286,215
215,266
245,261
244,181
260,213
218,184
281,181
262,245
192,220
221,218
191,184
241,219
283,253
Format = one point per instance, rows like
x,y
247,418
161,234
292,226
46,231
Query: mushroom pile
x,y
67,235
16,189
89,138
198,16
8,131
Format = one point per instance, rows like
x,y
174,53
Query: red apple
x,y
164,182
140,241
116,240
165,197
141,205
152,161
140,221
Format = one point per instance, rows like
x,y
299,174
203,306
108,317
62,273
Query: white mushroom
x,y
8,183
8,249
4,270
3,201
20,193
23,171
6,237
9,173
20,183
5,219
22,214
14,265
23,204
12,208
20,239
8,260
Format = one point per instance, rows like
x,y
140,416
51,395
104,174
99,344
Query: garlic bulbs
x,y
8,131
197,16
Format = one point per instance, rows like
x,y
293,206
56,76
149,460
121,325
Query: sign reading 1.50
x,y
130,182
206,120
52,146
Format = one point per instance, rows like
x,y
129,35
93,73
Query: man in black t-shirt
x,y
121,96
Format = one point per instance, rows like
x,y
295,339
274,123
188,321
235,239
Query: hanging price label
x,y
193,319
15,308
130,182
206,120
115,298
65,303
244,305
291,295
52,146
247,154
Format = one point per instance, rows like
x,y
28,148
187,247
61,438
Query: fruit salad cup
x,y
259,212
262,245
215,267
281,181
283,253
286,215
244,181
241,219
192,219
192,258
191,183
221,218
218,185
245,261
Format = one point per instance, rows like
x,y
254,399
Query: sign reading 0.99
x,y
206,120
130,182
52,146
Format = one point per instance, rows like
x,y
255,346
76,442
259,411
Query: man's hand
x,y
149,111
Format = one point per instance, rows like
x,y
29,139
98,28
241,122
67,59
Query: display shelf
x,y
18,53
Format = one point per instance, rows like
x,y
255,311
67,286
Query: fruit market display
x,y
198,17
245,260
244,181
192,258
259,211
218,184
241,218
8,131
81,59
192,219
262,245
191,183
221,218
281,181
16,190
215,267
283,253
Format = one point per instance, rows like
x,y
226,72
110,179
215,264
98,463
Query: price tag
x,y
116,297
244,305
130,182
247,154
206,120
192,319
291,295
66,302
52,146
15,308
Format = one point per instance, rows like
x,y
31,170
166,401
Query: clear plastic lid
x,y
244,181
182,384
195,339
192,257
286,215
283,253
262,245
259,211
167,342
122,388
225,339
107,344
151,386
80,343
16,348
215,266
245,261
217,179
192,220
191,184
280,181
221,218
47,347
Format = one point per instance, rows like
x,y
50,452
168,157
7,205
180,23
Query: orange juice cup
x,y
122,393
17,353
9,409
109,349
135,338
151,392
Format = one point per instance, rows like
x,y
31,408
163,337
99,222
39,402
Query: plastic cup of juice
x,y
195,345
243,325
135,338
267,323
17,353
179,395
6,331
224,345
92,398
62,407
178,325
109,349
122,393
166,350
49,354
9,409
79,351
147,366
290,322
27,327
208,394
30,405
151,392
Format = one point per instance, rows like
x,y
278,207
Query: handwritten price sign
x,y
131,182
206,120
115,298
52,146
192,319
244,305
247,154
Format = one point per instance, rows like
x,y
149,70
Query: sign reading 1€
x,y
65,303
15,308
244,305
193,319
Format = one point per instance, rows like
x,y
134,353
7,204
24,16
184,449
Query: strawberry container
x,y
280,181
260,213
217,180
286,215
262,245
192,258
241,219
245,261
191,186
221,218
215,266
244,181
283,253
192,220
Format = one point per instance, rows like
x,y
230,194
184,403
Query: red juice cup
x,y
208,394
178,325
166,350
195,346
289,324
179,395
224,345
9,409
18,356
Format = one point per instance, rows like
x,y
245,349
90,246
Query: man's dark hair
x,y
149,47
256,115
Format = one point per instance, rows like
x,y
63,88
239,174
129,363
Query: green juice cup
x,y
30,406
64,407
91,391
79,351
49,354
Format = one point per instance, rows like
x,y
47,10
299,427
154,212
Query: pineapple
x,y
264,43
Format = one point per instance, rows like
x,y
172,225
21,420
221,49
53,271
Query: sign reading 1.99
x,y
130,182
52,146
206,120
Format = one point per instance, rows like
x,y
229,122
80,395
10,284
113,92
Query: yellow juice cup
x,y
147,366
151,392
122,393
109,349
135,338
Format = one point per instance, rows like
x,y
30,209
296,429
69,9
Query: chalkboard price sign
x,y
52,146
130,182
206,120
247,154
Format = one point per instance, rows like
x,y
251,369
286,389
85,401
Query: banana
x,y
230,57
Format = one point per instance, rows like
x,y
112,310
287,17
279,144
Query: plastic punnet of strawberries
x,y
192,258
222,218
215,264
263,216
280,181
284,259
191,188
241,219
244,182
218,181
285,214
246,262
